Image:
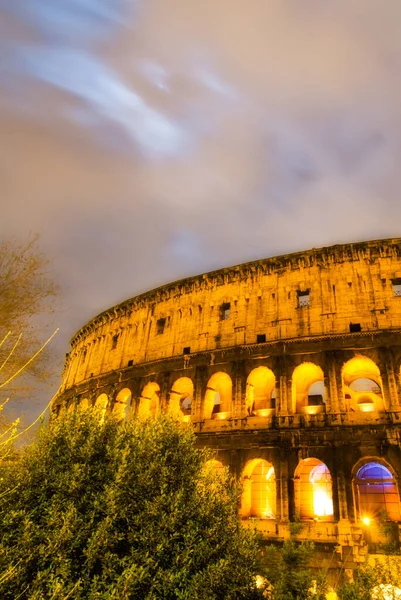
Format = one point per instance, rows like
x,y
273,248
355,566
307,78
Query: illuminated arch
x,y
258,490
313,490
121,404
218,398
149,402
101,405
376,491
214,466
84,404
181,398
259,388
362,385
308,392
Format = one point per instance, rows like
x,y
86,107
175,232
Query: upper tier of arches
x,y
347,290
355,387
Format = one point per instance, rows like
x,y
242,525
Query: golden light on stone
x,y
283,366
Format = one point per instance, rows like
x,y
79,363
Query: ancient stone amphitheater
x,y
289,367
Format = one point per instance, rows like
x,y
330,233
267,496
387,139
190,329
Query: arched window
x,y
308,392
101,404
149,402
258,490
376,493
259,389
84,404
313,490
181,397
121,404
362,385
215,466
218,398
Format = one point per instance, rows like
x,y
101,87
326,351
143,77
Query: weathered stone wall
x,y
347,284
251,401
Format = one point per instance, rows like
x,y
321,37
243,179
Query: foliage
x,y
27,298
372,581
288,572
124,511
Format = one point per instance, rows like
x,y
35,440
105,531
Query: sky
x,y
149,140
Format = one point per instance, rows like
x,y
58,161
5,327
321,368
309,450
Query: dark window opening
x,y
355,327
303,298
130,363
260,338
273,403
160,325
84,355
396,286
114,342
217,338
187,350
315,400
225,311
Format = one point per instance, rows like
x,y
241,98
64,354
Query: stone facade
x,y
289,367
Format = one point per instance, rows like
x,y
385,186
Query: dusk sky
x,y
148,140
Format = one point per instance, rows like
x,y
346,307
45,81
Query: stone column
x,y
283,387
164,394
199,391
341,487
335,384
389,380
283,488
238,392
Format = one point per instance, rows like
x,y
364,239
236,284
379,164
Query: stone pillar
x,y
283,387
335,384
341,487
200,380
389,380
164,395
283,488
238,393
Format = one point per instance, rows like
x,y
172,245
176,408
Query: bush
x,y
121,511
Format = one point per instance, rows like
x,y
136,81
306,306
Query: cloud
x,y
152,140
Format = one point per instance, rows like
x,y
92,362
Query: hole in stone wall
x,y
396,286
303,298
355,327
160,325
261,338
225,309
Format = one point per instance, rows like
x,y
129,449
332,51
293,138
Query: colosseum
x,y
289,368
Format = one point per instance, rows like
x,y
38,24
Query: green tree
x,y
124,511
287,570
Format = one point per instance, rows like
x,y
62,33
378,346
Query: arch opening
x,y
260,386
121,404
362,385
313,490
149,402
181,398
376,493
218,398
308,389
258,490
101,405
214,466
